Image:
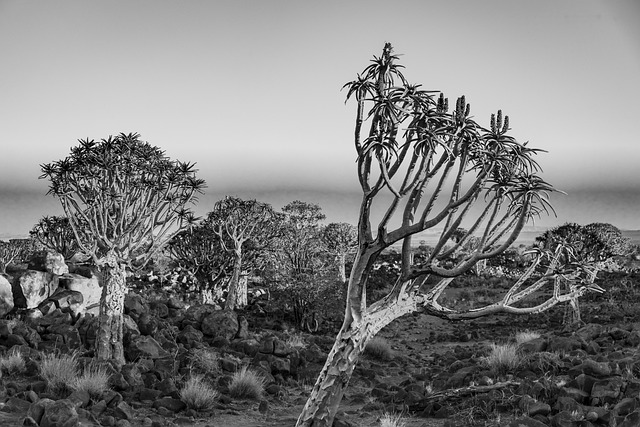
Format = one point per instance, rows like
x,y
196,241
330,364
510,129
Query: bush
x,y
94,380
526,336
389,420
205,360
198,394
13,362
503,358
59,371
247,384
379,348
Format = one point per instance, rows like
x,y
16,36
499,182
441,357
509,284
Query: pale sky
x,y
250,90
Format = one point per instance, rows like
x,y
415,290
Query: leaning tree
x,y
124,199
422,166
239,223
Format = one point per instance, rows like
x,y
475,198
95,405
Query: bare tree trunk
x,y
109,336
322,405
342,261
234,296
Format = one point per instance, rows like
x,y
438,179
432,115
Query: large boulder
x,y
6,296
61,413
89,287
48,261
145,347
222,323
33,287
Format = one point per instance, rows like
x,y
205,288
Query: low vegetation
x,y
59,371
379,348
502,359
197,394
94,380
247,384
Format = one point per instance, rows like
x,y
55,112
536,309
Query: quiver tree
x,y
55,233
15,250
124,200
199,250
340,239
429,168
592,245
239,223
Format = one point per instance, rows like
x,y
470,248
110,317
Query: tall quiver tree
x,y
237,223
340,239
434,167
124,199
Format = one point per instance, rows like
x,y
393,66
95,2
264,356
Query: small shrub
x,y
379,348
205,360
13,363
502,359
94,380
59,371
296,341
197,394
247,384
389,420
526,336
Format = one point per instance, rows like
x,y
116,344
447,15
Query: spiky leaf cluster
x,y
123,196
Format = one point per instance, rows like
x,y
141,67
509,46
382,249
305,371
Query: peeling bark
x,y
109,335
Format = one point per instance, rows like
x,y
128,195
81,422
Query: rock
x,y
145,347
61,413
533,407
174,405
606,390
563,344
132,375
592,368
222,323
6,296
134,305
16,405
243,329
175,303
196,313
534,346
189,337
67,300
626,406
48,261
631,420
159,309
89,287
123,411
36,410
33,287
68,334
147,324
526,422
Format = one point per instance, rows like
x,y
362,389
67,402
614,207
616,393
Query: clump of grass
x,y
247,384
503,358
390,420
379,348
543,362
526,336
197,394
296,341
59,371
94,380
205,360
12,363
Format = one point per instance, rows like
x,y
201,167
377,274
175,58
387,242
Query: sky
x,y
251,91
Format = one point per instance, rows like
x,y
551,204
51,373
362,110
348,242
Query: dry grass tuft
x,y
205,360
13,363
247,384
197,394
59,371
94,380
526,336
503,358
379,348
390,420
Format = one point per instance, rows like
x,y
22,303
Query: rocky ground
x,y
583,376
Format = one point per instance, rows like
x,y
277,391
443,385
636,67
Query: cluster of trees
x,y
125,201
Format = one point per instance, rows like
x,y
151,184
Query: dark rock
x,y
563,344
36,410
61,413
175,303
123,411
159,309
173,405
222,323
606,390
132,375
16,405
626,406
135,306
526,422
145,347
189,336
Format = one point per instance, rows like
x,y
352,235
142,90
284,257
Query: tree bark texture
x,y
109,336
237,295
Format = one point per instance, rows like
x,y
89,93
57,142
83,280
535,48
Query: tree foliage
x,y
55,232
123,196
